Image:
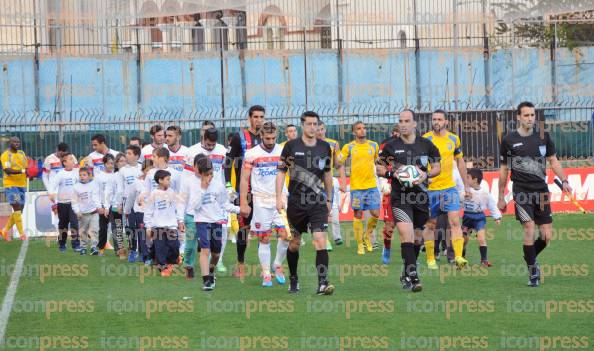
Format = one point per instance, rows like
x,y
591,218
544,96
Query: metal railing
x,y
480,130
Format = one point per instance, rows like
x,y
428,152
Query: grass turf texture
x,y
106,303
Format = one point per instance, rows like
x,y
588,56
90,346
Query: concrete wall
x,y
109,85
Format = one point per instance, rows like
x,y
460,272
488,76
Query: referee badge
x,y
542,149
424,160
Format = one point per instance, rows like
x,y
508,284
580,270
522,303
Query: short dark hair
x,y
176,129
294,126
85,169
161,174
476,173
522,105
155,129
256,108
320,122
64,155
100,138
117,158
443,112
208,123
108,157
268,128
202,163
161,152
63,147
137,139
211,134
306,114
411,112
135,149
356,124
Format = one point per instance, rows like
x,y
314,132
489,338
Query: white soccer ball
x,y
407,175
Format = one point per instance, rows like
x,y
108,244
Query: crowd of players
x,y
173,203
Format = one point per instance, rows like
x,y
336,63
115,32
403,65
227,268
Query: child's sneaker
x,y
166,272
267,281
221,267
132,257
189,272
279,275
207,285
83,251
62,248
23,237
77,248
122,254
148,262
94,251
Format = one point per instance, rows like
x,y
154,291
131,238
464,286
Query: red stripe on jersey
x,y
266,159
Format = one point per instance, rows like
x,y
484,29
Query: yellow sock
x,y
371,224
429,250
458,245
10,223
18,220
358,229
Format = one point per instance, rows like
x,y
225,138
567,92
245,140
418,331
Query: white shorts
x,y
265,220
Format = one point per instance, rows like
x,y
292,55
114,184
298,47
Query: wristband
x,y
23,171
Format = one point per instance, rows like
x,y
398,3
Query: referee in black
x,y
526,152
308,161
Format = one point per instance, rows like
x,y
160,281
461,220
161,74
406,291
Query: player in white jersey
x,y
258,176
95,158
51,166
475,203
158,140
128,174
161,161
61,192
216,154
178,154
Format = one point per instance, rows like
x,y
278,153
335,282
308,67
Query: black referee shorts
x,y
303,219
532,205
411,208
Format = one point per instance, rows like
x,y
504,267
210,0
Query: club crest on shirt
x,y
542,149
322,163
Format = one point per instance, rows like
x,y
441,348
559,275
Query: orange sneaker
x,y
4,235
166,272
23,238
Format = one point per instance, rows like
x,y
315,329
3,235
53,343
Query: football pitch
x,y
68,302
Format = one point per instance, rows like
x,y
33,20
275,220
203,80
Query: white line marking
x,y
11,291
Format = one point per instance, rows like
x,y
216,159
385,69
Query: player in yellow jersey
x,y
443,196
14,164
334,214
365,195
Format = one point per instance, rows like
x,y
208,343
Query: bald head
x,y
14,143
407,123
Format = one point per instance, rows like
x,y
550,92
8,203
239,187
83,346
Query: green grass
x,y
475,309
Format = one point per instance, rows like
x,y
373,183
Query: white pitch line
x,y
11,291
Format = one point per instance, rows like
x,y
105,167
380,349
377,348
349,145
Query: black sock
x,y
464,251
436,247
241,244
241,247
529,255
205,278
539,245
292,260
404,273
322,265
410,261
483,250
417,249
